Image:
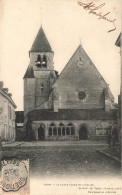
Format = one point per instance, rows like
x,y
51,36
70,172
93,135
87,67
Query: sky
x,y
66,24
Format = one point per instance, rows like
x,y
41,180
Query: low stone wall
x,y
58,138
20,134
98,137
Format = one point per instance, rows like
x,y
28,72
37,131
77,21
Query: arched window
x,y
45,58
61,129
44,61
52,129
70,130
38,61
42,87
67,131
55,131
38,58
41,61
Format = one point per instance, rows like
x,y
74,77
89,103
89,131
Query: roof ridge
x,y
29,72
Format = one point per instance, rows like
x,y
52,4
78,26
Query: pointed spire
x,y
41,43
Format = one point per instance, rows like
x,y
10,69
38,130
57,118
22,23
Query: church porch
x,y
71,130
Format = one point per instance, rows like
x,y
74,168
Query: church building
x,y
75,105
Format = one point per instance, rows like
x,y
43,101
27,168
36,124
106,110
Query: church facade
x,y
75,105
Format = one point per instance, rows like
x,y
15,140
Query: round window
x,y
81,95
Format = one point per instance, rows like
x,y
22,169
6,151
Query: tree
x,y
29,131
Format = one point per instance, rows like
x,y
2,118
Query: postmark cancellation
x,y
14,177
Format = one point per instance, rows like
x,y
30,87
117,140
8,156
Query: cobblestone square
x,y
62,159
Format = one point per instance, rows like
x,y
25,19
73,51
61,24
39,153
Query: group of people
x,y
112,136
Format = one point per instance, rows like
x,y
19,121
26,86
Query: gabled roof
x,y
80,51
7,96
118,41
72,114
29,72
41,43
85,77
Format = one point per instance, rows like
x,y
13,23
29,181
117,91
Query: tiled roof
x,y
29,72
5,94
118,41
80,73
72,114
41,43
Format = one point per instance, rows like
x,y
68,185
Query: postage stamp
x,y
15,176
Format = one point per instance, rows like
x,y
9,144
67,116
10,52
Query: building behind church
x,y
19,120
7,115
118,43
75,105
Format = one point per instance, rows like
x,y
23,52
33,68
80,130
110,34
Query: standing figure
x,y
114,135
109,136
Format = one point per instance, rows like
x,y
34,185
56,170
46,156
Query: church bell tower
x,y
40,75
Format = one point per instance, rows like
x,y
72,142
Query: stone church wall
x,y
79,92
96,129
80,84
29,94
33,59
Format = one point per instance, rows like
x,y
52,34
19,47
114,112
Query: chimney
x,y
9,94
6,90
1,84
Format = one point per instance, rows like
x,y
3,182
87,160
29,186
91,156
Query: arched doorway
x,y
83,134
41,132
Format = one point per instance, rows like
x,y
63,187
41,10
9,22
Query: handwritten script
x,y
92,10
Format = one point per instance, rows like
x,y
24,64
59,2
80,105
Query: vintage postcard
x,y
60,97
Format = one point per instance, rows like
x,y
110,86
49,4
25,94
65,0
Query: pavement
x,y
64,158
109,155
54,143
